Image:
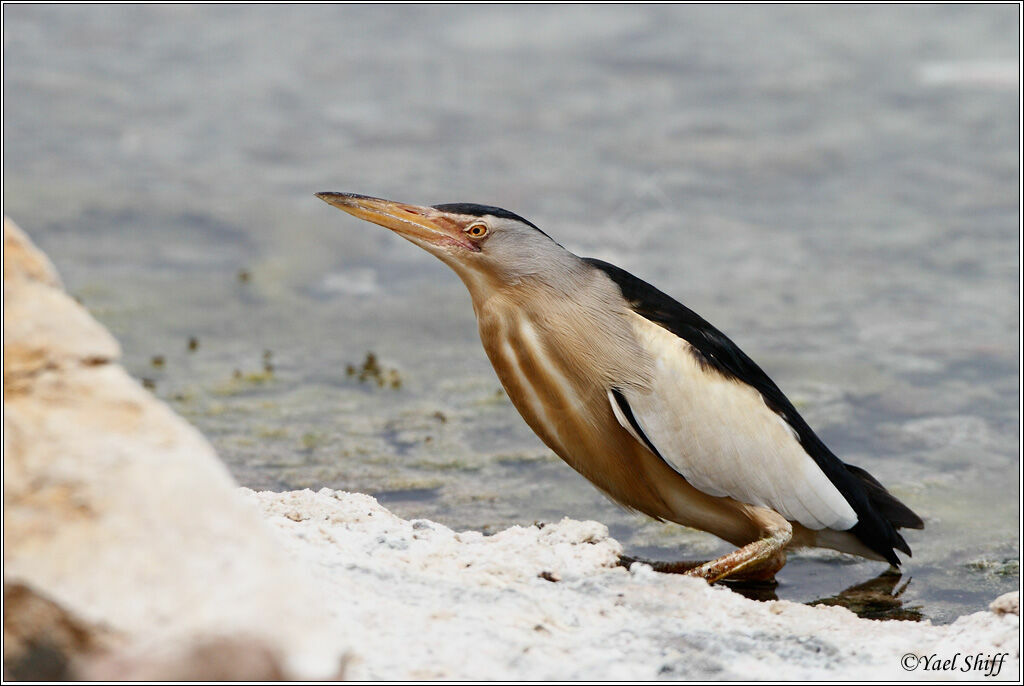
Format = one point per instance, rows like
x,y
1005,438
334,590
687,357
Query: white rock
x,y
422,601
1008,603
120,511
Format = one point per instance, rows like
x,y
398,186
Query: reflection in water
x,y
878,598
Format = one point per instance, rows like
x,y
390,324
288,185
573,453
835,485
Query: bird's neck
x,y
581,317
529,295
526,286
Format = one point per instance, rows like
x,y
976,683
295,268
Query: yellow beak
x,y
424,226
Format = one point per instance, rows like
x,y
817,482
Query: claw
x,y
759,560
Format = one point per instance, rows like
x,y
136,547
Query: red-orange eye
x,y
477,230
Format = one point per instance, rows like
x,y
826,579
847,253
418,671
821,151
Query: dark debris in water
x,y
240,380
372,370
1006,567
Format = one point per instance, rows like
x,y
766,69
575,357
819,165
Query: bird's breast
x,y
559,384
554,398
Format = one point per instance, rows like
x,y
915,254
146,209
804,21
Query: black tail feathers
x,y
889,514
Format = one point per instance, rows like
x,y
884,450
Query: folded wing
x,y
722,437
735,442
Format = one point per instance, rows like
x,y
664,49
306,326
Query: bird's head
x,y
487,246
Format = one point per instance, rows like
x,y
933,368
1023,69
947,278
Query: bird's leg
x,y
749,575
759,560
677,567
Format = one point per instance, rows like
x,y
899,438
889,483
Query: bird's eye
x,y
477,230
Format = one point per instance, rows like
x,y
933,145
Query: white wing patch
x,y
623,420
722,437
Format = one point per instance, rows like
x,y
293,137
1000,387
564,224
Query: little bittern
x,y
647,400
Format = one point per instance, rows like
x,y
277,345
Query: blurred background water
x,y
834,187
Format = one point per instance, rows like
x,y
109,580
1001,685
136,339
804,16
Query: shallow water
x,y
835,188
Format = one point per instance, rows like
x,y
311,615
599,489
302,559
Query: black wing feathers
x,y
879,513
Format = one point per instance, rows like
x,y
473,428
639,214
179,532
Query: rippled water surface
x,y
835,188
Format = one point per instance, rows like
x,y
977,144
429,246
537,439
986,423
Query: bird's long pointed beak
x,y
425,226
